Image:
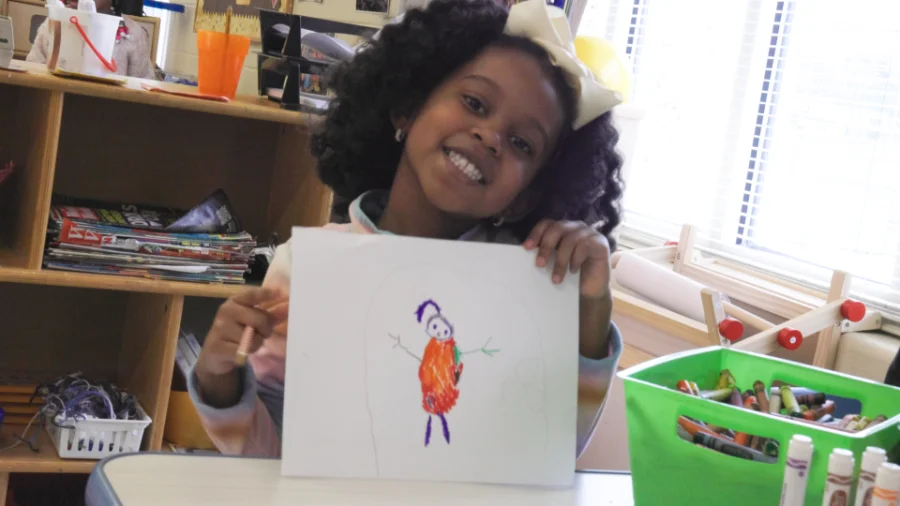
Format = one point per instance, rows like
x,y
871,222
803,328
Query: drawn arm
x,y
398,344
484,349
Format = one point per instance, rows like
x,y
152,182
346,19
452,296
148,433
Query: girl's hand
x,y
257,308
578,247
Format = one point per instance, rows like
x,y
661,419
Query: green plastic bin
x,y
669,471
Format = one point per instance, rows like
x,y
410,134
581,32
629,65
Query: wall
x,y
181,54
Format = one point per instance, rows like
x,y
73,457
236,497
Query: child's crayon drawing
x,y
440,366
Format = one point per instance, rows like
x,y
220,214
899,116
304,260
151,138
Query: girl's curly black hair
x,y
394,75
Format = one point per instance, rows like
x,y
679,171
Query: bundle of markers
x,y
878,483
780,399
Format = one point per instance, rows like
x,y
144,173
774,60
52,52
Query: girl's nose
x,y
489,138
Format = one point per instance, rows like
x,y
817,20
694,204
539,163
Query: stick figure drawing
x,y
440,366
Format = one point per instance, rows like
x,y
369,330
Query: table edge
x,y
99,491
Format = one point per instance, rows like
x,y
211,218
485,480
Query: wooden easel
x,y
807,312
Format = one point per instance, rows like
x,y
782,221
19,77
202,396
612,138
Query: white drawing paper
x,y
387,333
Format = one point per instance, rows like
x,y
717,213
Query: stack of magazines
x,y
206,244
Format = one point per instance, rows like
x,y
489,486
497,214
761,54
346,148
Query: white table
x,y
173,479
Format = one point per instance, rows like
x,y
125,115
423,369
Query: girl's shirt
x,y
253,425
131,54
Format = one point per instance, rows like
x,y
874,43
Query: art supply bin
x,y
668,470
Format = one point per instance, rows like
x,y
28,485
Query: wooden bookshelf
x,y
122,143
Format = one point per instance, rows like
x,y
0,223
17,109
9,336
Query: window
x,y
165,24
772,126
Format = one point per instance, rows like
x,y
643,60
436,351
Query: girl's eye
x,y
474,105
523,145
434,326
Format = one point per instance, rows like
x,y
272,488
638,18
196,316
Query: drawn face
x,y
439,328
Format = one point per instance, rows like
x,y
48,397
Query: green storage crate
x,y
669,471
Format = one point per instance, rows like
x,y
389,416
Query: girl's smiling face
x,y
482,135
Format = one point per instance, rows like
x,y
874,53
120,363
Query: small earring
x,y
399,135
498,221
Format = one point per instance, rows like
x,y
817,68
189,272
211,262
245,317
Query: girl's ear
x,y
400,122
523,204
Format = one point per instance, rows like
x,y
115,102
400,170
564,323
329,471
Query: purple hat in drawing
x,y
436,325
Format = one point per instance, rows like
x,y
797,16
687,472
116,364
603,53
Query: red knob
x,y
789,338
731,329
853,310
671,243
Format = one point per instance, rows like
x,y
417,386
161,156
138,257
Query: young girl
x,y
464,121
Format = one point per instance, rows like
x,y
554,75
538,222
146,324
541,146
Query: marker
x,y
816,414
878,419
840,477
732,449
789,401
775,403
762,395
887,485
863,422
796,471
871,461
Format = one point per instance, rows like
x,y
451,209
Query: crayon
x,y
847,420
752,403
840,477
688,387
729,448
796,471
726,380
817,414
789,401
746,394
871,461
716,395
887,485
863,422
772,448
762,395
741,438
810,399
693,427
736,399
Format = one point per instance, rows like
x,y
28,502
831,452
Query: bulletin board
x,y
210,15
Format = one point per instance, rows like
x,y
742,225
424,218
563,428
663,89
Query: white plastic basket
x,y
96,439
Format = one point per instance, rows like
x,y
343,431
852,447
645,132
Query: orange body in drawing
x,y
439,374
440,366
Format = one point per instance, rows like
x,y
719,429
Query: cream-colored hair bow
x,y
548,27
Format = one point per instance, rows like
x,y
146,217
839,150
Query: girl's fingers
x,y
255,296
280,311
249,316
564,253
281,328
551,239
534,238
579,256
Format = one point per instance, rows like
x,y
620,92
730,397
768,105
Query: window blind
x,y
772,126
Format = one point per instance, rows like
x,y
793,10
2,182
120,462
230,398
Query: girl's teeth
x,y
467,168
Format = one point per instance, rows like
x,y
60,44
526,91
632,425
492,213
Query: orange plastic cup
x,y
221,59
